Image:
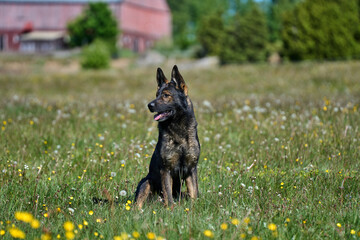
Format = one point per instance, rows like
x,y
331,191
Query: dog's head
x,y
171,96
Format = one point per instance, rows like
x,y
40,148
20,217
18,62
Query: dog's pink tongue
x,y
158,116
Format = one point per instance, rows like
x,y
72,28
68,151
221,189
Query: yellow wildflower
x,y
2,232
70,235
69,226
272,227
150,235
135,234
246,220
35,223
16,233
208,234
235,221
91,212
224,226
46,236
124,236
24,216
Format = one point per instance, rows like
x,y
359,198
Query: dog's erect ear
x,y
160,78
178,80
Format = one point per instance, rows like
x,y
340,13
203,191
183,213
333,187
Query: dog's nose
x,y
151,106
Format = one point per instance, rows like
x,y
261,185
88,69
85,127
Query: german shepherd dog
x,y
177,151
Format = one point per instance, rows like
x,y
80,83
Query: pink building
x,y
40,25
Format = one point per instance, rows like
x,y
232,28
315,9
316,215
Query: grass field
x,y
280,152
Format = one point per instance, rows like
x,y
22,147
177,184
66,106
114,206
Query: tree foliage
x,y
275,14
96,22
244,30
243,39
96,55
211,33
322,29
186,16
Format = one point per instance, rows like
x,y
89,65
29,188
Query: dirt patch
x,y
55,66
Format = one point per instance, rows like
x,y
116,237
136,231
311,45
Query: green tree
x,y
96,22
322,29
276,11
211,33
246,38
186,16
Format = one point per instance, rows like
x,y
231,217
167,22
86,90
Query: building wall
x,y
141,26
10,39
42,16
141,21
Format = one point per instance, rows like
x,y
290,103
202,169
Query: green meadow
x,y
280,152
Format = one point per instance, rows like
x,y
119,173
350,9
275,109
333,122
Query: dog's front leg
x,y
192,184
166,186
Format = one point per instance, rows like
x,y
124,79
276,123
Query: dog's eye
x,y
166,95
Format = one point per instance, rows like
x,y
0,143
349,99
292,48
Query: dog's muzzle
x,y
151,106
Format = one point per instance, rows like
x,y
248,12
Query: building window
x,y
46,46
1,43
27,47
136,45
16,39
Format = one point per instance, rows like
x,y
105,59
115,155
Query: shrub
x,y
246,38
243,40
96,55
96,22
319,29
211,33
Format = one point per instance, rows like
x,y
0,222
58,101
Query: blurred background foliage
x,y
239,31
96,55
250,31
96,23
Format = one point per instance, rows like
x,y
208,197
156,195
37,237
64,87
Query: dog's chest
x,y
180,156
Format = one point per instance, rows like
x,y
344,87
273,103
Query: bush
x,y
96,22
96,56
211,33
319,29
246,39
